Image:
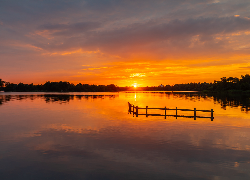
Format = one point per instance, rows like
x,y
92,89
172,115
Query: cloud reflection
x,y
116,151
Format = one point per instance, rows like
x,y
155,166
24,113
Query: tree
x,y
246,78
1,84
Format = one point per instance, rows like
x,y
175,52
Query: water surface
x,y
92,136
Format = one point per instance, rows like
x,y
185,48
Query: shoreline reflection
x,y
242,101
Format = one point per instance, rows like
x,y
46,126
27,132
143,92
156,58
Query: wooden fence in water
x,y
135,110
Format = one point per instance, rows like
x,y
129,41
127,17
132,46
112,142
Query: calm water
x,y
92,136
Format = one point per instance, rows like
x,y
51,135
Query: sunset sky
x,y
124,42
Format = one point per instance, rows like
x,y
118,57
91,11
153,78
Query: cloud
x,y
191,36
69,29
36,34
139,34
247,67
118,31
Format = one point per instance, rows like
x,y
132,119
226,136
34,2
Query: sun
x,y
135,85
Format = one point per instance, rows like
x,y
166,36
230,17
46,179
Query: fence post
x,y
129,108
176,112
194,113
212,114
165,112
146,111
136,111
133,110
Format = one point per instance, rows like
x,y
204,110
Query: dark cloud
x,y
176,33
176,29
124,23
70,29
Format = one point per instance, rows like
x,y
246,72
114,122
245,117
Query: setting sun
x,y
135,85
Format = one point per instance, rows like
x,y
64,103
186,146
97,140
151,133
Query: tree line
x,y
56,87
225,84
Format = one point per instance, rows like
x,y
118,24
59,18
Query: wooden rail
x,y
135,110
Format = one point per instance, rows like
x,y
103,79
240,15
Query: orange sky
x,y
123,42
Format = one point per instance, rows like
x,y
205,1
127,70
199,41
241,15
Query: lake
x,y
92,136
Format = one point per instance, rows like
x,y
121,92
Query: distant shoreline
x,y
225,85
235,92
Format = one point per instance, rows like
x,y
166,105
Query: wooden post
x,y
194,113
146,111
133,110
212,114
176,112
136,111
165,112
129,108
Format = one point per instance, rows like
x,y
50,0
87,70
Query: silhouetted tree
x,y
1,84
